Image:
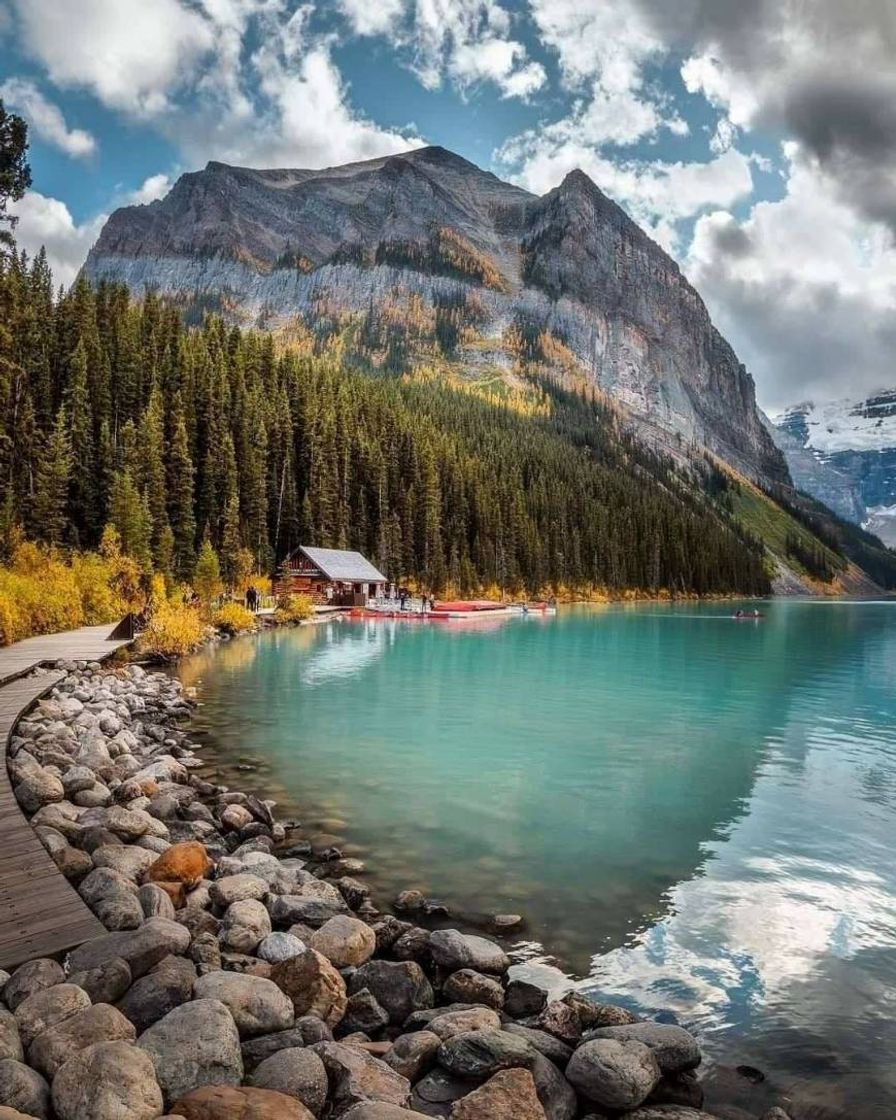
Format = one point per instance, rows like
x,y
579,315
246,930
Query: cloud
x,y
45,118
132,54
467,41
48,222
156,186
804,288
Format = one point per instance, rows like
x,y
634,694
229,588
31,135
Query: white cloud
x,y
156,186
468,41
45,118
130,53
804,288
48,222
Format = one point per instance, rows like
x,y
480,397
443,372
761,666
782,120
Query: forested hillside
x,y
112,411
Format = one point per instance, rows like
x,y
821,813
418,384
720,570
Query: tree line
x,y
112,412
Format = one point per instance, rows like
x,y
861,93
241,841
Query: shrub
x,y
174,629
294,608
233,618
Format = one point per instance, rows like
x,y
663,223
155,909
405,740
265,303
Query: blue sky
x,y
756,141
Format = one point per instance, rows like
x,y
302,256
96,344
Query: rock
x,y
77,779
363,1014
140,948
235,817
507,921
372,1110
243,963
205,952
412,1055
107,1081
240,1102
237,888
195,1045
449,1023
352,890
557,1096
453,950
168,985
399,987
307,1031
45,1009
258,1006
614,1074
346,942
313,985
106,984
560,1020
672,1112
591,1014
185,863
127,825
155,902
99,1023
278,947
10,1043
73,864
113,898
683,1088
543,1042
434,1094
388,931
311,909
355,1076
39,788
129,859
522,999
673,1047
246,923
409,900
477,1055
296,1072
34,976
467,986
508,1095
24,1089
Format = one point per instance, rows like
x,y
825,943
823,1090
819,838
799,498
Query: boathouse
x,y
329,575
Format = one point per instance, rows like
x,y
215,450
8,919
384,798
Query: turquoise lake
x,y
696,817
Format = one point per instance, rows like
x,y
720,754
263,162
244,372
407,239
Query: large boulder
x,y
113,898
196,1044
107,1081
106,984
478,1055
41,787
296,1072
673,1047
449,1023
47,1008
399,987
257,1005
468,986
130,860
277,947
10,1043
140,948
239,1102
237,888
453,950
313,985
168,985
346,942
508,1095
24,1089
614,1074
33,976
557,1096
412,1055
246,923
355,1076
99,1023
185,863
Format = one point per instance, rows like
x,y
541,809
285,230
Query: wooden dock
x,y
41,914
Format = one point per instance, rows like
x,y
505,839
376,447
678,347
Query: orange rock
x,y
239,1102
509,1095
149,787
184,863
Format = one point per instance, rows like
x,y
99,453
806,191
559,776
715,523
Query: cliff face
x,y
273,246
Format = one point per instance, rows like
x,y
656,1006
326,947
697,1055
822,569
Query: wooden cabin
x,y
330,576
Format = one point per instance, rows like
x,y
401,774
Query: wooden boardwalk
x,y
41,914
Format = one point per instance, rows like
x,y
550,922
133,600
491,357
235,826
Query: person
x,y
252,599
738,613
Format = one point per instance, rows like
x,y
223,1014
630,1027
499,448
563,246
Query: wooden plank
x,y
41,914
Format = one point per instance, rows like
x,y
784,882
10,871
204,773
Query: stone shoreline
x,y
247,977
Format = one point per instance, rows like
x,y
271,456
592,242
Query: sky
x,y
754,139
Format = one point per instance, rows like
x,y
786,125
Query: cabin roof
x,y
340,564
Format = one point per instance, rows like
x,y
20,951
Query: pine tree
x,y
52,483
207,574
130,517
84,505
180,498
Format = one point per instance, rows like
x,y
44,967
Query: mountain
x,y
391,253
844,453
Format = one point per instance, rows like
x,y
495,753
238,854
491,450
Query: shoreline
x,y
208,897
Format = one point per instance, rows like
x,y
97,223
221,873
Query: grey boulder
x,y
196,1044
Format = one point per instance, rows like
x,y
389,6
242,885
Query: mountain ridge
x,y
270,247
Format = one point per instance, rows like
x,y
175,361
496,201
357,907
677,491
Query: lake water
x,y
695,816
